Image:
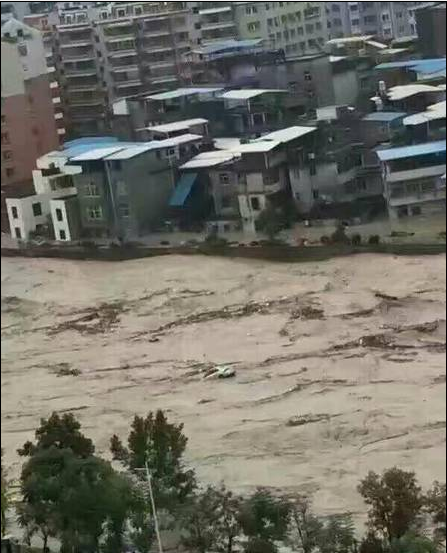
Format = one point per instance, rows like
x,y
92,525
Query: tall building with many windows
x,y
28,116
387,20
297,28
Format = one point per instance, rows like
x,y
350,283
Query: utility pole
x,y
154,511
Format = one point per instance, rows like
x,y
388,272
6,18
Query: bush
x,y
356,240
325,240
374,240
339,236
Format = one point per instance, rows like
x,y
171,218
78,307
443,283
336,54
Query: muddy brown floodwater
x,y
340,365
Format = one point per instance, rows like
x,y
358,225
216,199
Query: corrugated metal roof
x,y
183,189
422,66
211,11
210,159
385,116
433,113
349,40
247,93
228,45
177,126
176,140
97,153
129,153
261,147
287,135
181,93
412,151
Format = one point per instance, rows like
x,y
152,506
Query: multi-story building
x,y
412,177
104,52
381,19
431,27
297,28
28,125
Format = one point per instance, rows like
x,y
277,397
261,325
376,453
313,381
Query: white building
x,y
412,177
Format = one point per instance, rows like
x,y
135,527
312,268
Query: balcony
x,y
80,72
164,80
413,174
128,83
156,32
73,57
94,87
76,44
418,197
124,68
156,49
218,26
111,39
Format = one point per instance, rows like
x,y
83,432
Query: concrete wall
x,y
431,25
69,228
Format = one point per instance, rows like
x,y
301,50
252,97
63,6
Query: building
x,y
381,126
385,20
105,52
297,28
431,28
412,177
28,116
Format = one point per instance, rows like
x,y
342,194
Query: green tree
x,y
395,502
435,503
69,493
271,222
160,444
413,544
210,521
62,432
338,536
372,544
305,528
309,534
264,520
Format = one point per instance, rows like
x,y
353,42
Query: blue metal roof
x,y
89,140
384,116
421,66
183,190
438,147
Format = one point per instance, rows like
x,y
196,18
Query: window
x,y
94,212
355,22
315,194
5,138
255,204
170,152
300,31
286,35
62,235
59,215
385,17
310,28
253,27
336,8
416,210
267,6
224,178
318,26
307,76
10,171
242,178
124,210
121,188
7,155
15,213
354,8
18,233
370,19
37,209
92,190
270,22
23,50
3,119
251,10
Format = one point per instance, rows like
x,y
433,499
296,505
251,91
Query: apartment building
x,y
385,20
28,117
297,28
104,52
431,28
413,179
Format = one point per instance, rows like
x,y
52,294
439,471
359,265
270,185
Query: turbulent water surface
x,y
340,365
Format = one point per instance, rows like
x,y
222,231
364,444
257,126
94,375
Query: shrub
x,y
374,240
325,240
339,236
356,240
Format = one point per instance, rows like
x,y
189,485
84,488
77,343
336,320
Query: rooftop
x,y
286,135
412,151
182,93
247,94
384,116
433,113
210,159
406,91
228,46
421,66
349,40
261,147
177,126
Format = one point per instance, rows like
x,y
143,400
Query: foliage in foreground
x,y
71,494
